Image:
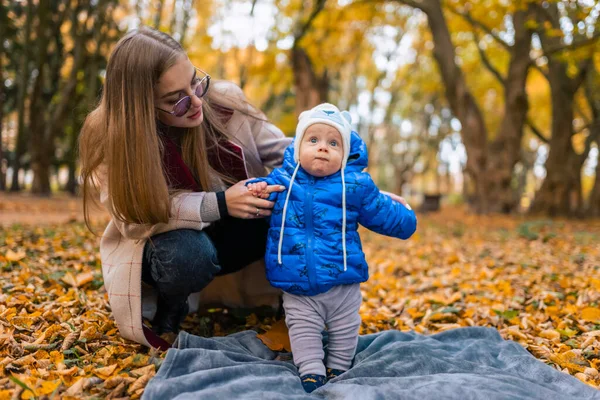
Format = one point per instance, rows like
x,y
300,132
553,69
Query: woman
x,y
169,152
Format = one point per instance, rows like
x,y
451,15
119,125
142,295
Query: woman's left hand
x,y
241,203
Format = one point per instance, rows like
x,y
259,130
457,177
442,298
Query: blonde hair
x,y
119,144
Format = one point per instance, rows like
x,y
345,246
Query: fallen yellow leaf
x,y
105,372
12,256
148,369
69,279
277,338
570,360
591,314
47,387
83,278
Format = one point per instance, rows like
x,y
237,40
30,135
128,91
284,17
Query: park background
x,y
484,114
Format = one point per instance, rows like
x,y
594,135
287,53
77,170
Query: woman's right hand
x,y
241,203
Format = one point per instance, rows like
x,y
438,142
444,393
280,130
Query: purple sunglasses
x,y
183,105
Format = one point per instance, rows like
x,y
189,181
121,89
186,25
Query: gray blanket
x,y
466,363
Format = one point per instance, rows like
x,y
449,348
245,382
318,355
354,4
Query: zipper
x,y
308,217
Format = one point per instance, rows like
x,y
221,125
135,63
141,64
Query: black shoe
x,y
312,382
334,373
168,317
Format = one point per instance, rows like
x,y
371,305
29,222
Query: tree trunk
x,y
3,21
594,202
560,193
41,171
489,169
188,5
365,127
90,99
173,22
311,90
23,82
2,97
104,13
593,98
349,91
403,175
71,158
59,115
505,151
41,179
403,163
158,15
462,102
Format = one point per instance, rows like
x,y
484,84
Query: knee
x,y
345,326
182,255
308,324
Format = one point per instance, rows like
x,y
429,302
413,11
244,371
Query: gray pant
x,y
306,316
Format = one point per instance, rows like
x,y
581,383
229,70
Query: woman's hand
x,y
241,203
397,198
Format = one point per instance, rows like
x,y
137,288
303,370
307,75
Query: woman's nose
x,y
196,101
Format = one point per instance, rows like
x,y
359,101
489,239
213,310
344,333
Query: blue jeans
x,y
184,261
176,264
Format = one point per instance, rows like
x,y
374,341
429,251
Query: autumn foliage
x,y
536,281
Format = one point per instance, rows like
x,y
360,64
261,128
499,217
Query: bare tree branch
x,y
589,126
585,118
486,61
158,15
573,45
593,136
589,90
420,4
361,2
534,129
318,7
478,24
584,68
540,70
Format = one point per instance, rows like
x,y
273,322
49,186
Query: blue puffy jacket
x,y
312,259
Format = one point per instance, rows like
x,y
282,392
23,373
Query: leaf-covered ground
x,y
536,281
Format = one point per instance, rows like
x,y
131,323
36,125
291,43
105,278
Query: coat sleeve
x,y
383,215
184,214
270,142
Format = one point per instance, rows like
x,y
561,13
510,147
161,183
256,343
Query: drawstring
x,y
344,217
287,198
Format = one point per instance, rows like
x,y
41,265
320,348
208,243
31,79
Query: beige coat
x,y
122,244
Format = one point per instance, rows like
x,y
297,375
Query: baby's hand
x,y
258,189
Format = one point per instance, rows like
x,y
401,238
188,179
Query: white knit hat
x,y
322,114
325,114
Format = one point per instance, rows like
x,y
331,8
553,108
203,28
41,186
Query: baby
x,y
313,251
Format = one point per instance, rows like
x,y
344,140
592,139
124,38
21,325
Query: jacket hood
x,y
357,160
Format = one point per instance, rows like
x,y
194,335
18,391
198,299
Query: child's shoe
x,y
312,382
334,373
